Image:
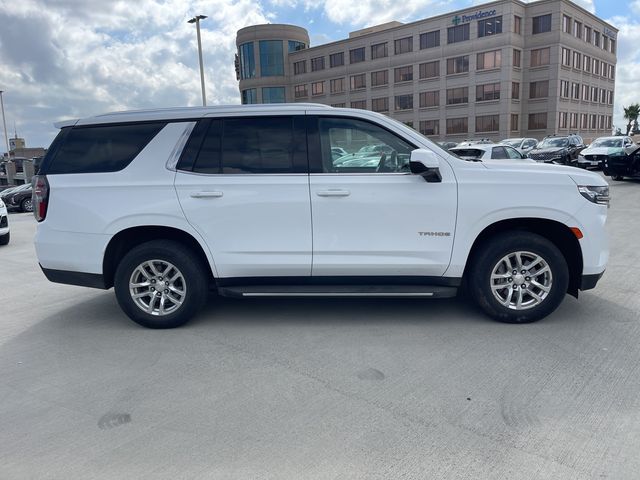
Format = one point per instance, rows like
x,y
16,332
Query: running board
x,y
398,291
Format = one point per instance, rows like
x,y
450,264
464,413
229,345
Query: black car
x,y
618,166
18,198
560,149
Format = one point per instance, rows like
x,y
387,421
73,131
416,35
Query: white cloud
x,y
372,12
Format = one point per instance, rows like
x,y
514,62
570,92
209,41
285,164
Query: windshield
x,y
554,142
514,142
607,142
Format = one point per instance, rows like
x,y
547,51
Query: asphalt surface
x,y
320,389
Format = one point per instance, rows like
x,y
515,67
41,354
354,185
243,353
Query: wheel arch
x,y
556,232
131,237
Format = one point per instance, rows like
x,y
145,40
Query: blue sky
x,y
74,58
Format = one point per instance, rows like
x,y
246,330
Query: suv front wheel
x,y
160,284
519,277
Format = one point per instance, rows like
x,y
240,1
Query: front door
x,y
371,216
243,185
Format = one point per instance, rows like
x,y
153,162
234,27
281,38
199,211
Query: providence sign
x,y
458,19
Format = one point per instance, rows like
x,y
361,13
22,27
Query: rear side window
x,y
103,148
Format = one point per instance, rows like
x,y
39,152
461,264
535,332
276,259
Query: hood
x,y
578,175
601,151
547,150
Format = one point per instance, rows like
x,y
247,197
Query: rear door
x,y
243,185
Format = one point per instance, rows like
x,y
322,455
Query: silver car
x,y
523,145
603,147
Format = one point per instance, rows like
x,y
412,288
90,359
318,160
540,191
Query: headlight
x,y
599,195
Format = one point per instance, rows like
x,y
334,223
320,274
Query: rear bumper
x,y
82,279
589,281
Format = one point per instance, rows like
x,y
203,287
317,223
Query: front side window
x,y
369,148
271,58
541,24
273,95
430,39
490,26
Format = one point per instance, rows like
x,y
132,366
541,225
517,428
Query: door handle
x,y
212,194
333,193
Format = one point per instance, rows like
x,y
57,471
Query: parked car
x,y
20,198
621,164
558,149
447,145
252,205
5,234
474,141
481,152
523,145
602,147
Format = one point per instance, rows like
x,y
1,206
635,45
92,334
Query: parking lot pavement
x,y
320,388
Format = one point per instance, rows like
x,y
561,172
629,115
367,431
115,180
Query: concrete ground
x,y
320,389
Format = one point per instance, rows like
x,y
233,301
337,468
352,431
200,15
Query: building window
x,y
577,60
577,29
541,24
605,43
457,125
317,64
603,93
609,120
403,45
573,120
610,97
457,65
585,93
587,34
403,74
612,45
361,104
514,122
430,39
380,104
517,57
459,33
490,91
356,55
538,121
612,72
596,38
429,69
457,95
575,91
379,78
429,127
338,105
358,81
562,120
300,91
336,85
593,121
595,68
489,26
515,90
429,99
249,96
584,124
379,50
317,88
336,59
273,95
271,58
587,63
300,67
489,60
539,89
564,89
404,102
295,46
487,123
566,57
566,24
247,61
540,57
517,24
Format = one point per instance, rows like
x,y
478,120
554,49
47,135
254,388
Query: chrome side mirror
x,y
426,164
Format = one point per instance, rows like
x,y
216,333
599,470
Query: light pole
x,y
196,20
4,125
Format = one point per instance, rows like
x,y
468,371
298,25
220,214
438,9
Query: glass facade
x,y
249,96
295,46
271,58
247,61
273,95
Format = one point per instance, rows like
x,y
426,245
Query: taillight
x,y
40,197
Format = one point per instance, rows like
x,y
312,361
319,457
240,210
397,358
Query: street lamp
x,y
196,20
4,125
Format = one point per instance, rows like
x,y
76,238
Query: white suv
x,y
249,200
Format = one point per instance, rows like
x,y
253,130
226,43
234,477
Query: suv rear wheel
x,y
160,284
519,277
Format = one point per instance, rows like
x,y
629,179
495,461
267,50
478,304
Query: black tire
x,y
496,248
189,265
4,239
618,178
26,205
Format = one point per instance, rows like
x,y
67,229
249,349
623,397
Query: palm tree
x,y
631,113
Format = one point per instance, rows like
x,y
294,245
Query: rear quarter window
x,y
101,148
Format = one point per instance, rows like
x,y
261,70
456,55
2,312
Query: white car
x,y
247,200
603,147
5,234
480,152
523,145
